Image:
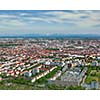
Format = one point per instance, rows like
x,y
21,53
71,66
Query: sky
x,y
49,21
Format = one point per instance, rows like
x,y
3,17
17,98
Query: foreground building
x,y
70,78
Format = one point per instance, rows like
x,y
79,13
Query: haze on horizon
x,y
46,22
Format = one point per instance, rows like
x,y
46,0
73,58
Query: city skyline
x,y
47,22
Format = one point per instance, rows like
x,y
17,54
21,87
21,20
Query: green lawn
x,y
15,86
91,78
93,75
44,79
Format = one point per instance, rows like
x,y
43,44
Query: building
x,y
35,71
71,77
94,63
94,85
27,74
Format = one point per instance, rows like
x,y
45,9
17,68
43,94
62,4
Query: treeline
x,y
5,45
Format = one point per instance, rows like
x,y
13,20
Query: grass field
x,y
94,75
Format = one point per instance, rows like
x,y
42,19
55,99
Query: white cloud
x,y
78,19
7,16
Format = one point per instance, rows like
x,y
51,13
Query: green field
x,y
44,79
93,75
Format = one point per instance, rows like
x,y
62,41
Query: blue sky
x,y
49,21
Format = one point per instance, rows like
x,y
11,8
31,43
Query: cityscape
x,y
49,63
49,50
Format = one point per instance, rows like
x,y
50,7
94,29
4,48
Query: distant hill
x,y
58,35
